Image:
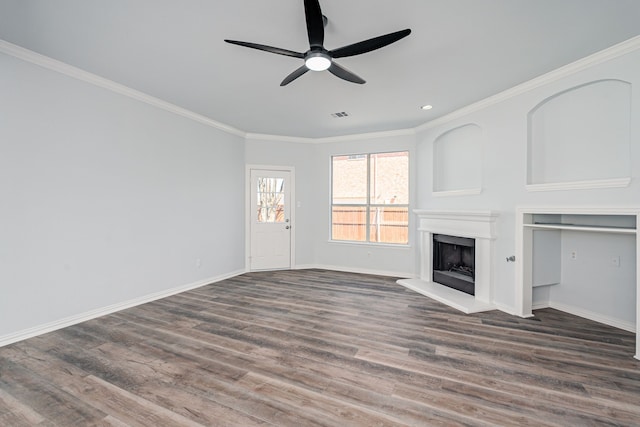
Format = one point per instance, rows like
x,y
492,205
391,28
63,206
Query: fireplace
x,y
454,262
473,263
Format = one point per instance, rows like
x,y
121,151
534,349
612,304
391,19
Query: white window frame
x,y
368,206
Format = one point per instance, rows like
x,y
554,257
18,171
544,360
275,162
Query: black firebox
x,y
454,262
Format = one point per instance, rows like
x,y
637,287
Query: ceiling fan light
x,y
317,61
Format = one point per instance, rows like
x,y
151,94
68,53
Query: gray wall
x,y
106,199
504,158
302,157
313,192
504,178
591,281
384,259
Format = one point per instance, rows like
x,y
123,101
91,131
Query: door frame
x,y
247,210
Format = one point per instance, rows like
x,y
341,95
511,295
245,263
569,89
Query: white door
x,y
270,229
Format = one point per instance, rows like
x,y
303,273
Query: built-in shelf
x,y
538,233
581,185
457,161
592,228
563,124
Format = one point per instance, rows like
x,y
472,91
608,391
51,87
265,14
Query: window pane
x,y
389,224
390,178
349,180
270,200
349,223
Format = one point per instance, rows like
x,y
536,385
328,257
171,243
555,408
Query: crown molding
x,y
597,58
370,135
279,138
85,76
605,55
330,139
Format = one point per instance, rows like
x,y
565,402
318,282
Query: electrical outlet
x,y
198,262
615,261
573,254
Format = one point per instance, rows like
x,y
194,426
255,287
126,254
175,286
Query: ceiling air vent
x,y
340,114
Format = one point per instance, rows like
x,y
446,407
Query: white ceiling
x,y
459,52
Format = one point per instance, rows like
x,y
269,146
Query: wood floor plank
x,y
45,397
320,348
14,412
129,407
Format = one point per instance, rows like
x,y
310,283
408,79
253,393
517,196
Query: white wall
x,y
105,199
313,191
456,154
504,170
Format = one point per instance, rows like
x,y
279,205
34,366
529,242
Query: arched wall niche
x,y
457,165
581,136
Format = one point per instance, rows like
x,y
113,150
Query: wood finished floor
x,y
314,347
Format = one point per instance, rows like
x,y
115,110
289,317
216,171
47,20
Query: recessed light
x,y
427,107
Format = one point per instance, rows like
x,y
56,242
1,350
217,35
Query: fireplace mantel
x,y
478,225
473,224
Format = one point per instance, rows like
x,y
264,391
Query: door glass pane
x,y
389,178
389,224
349,179
270,193
349,223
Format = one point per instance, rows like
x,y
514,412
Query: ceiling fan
x,y
317,58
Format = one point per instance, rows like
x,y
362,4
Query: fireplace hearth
x,y
454,262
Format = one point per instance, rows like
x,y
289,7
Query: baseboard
x,y
505,308
539,305
596,317
92,314
357,270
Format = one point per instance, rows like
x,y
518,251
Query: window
x,y
370,197
270,200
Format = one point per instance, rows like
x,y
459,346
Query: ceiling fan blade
x,y
369,45
315,23
345,74
265,48
297,73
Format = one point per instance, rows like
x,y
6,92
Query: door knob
x,y
287,227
